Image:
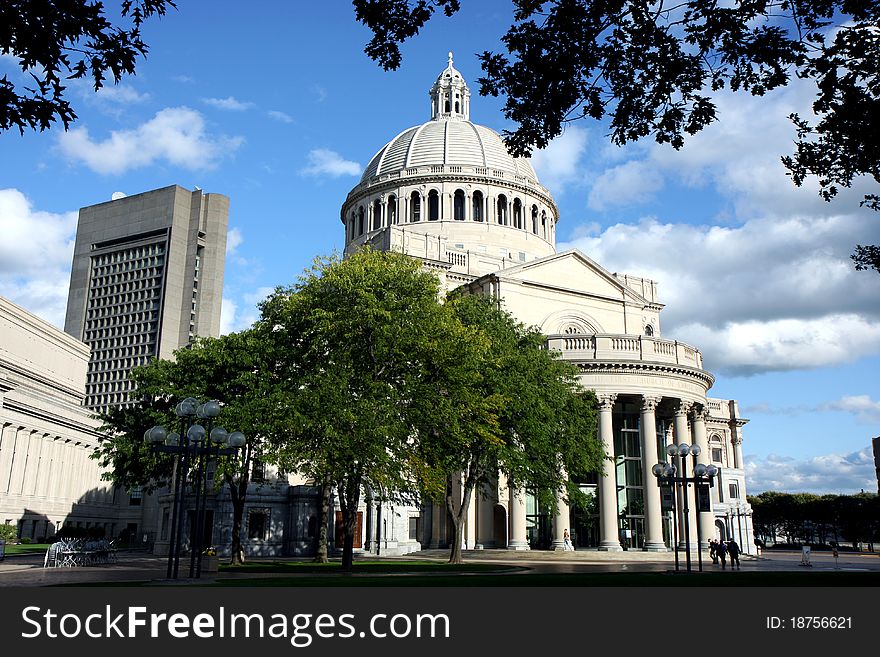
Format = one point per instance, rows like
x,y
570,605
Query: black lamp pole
x,y
666,476
193,442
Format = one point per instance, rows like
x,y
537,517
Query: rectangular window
x,y
258,471
734,490
258,524
414,528
135,495
716,454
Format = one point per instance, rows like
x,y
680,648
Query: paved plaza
x,y
138,567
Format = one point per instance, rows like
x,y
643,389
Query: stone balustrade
x,y
601,346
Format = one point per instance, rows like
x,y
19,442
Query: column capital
x,y
606,401
736,439
682,408
701,413
649,403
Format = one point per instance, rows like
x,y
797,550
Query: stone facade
x,y
47,479
449,194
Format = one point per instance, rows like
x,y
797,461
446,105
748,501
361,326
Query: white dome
x,y
447,141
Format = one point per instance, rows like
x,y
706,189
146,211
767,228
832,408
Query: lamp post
x,y
193,443
702,479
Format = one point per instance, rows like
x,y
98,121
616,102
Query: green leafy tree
x,y
8,532
231,369
652,69
517,411
353,343
66,40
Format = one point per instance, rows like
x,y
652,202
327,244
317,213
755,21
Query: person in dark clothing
x,y
721,551
713,544
733,551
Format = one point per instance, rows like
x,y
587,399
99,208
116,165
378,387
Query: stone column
x,y
560,522
682,435
485,500
653,515
517,538
706,518
470,527
737,441
609,539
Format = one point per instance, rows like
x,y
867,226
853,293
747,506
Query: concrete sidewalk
x,y
138,567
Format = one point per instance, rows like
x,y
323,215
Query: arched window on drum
x,y
415,207
458,205
502,210
433,205
392,210
377,214
535,219
477,211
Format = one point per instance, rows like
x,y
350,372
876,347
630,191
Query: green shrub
x,y
8,532
25,540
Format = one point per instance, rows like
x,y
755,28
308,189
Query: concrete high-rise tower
x,y
147,277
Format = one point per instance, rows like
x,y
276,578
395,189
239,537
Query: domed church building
x,y
448,193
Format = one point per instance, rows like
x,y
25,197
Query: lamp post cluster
x,y
670,484
192,448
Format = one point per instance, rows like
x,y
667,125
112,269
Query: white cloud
x,y
559,164
176,135
831,473
229,103
278,115
36,250
234,239
120,94
866,410
232,318
228,312
319,92
742,348
323,161
630,183
769,294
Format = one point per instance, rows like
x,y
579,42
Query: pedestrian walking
x,y
733,550
713,544
566,542
721,551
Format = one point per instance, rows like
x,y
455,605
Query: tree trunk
x,y
349,496
238,492
459,515
323,514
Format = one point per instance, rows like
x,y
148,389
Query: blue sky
x,y
281,111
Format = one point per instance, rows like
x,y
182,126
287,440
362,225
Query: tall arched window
x,y
392,210
416,207
458,205
649,330
502,210
433,205
477,212
377,214
517,213
535,219
361,220
351,225
543,224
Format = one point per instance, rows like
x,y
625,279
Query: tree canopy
x,y
231,369
652,69
355,342
66,40
520,413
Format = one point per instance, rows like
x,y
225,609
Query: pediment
x,y
575,272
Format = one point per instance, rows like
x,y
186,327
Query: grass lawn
x,y
32,548
483,579
383,567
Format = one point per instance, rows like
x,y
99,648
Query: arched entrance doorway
x,y
499,518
